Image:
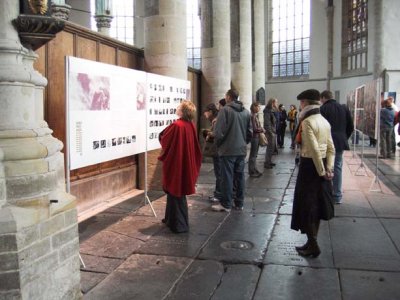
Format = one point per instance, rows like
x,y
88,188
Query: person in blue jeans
x,y
339,117
232,133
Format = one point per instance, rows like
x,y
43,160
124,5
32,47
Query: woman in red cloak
x,y
181,158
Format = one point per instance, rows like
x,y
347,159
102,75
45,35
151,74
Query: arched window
x,y
289,38
122,22
354,36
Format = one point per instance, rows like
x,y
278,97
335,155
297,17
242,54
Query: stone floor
x,y
130,254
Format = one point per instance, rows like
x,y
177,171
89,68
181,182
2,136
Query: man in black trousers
x,y
342,127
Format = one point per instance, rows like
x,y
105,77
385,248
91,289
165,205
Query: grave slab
x,y
370,285
351,243
297,283
97,223
281,249
140,277
242,238
136,227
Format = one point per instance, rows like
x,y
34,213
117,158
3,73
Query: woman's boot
x,y
312,249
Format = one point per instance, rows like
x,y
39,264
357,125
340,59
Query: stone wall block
x,y
52,226
46,264
69,250
8,243
70,217
56,162
27,236
9,281
8,261
64,237
34,252
51,144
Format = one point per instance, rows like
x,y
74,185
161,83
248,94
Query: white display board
x,y
113,112
106,112
163,96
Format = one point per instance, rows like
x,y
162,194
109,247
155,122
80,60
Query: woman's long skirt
x,y
306,208
176,214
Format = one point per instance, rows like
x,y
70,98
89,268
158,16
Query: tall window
x,y
193,34
355,35
122,22
290,53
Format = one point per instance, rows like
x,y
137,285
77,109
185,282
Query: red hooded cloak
x,y
181,157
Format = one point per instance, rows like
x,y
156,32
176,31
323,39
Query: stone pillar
x,y
258,46
215,50
164,54
329,15
39,244
241,49
103,16
59,9
139,23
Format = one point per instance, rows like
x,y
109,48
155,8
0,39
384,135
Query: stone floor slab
x,y
297,283
140,277
99,264
90,279
385,206
135,227
351,243
392,227
242,238
97,223
166,242
238,282
208,272
110,244
281,249
370,285
355,204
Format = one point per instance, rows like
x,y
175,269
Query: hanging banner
x,y
164,94
106,112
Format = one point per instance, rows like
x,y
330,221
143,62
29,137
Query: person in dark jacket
x,y
281,126
270,131
386,129
232,133
342,127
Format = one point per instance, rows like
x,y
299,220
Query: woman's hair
x,y
294,106
253,106
188,110
270,101
222,102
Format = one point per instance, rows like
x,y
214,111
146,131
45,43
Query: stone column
x,y
215,50
258,46
103,16
329,15
139,23
241,49
39,244
59,9
164,54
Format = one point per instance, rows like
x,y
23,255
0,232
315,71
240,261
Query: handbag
x,y
327,209
262,139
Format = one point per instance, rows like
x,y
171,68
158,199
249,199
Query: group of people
x,y
321,131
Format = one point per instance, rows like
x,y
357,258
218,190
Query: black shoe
x,y
312,250
273,164
255,175
268,166
304,247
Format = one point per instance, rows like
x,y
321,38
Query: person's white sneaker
x,y
219,207
213,199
